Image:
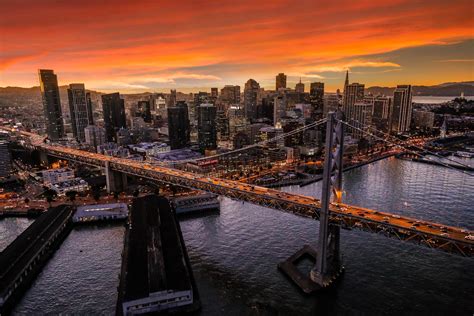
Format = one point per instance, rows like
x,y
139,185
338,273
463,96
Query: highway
x,y
433,235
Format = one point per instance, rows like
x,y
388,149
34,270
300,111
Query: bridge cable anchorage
x,y
264,142
406,149
420,148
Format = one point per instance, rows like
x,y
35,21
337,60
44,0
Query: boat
x,y
196,202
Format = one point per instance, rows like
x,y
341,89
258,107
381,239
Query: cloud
x,y
456,61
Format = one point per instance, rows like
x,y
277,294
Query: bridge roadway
x,y
432,235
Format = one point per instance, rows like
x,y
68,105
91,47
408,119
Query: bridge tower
x,y
328,262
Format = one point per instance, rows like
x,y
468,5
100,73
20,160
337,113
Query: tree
x,y
72,196
49,194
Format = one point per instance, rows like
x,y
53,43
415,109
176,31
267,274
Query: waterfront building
x,y
51,104
53,176
402,108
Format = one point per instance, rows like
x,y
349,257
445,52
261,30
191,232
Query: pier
x,y
156,275
24,258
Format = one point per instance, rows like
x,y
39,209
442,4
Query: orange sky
x,y
140,45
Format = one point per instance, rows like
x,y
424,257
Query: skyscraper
x,y
316,98
207,130
178,125
78,109
214,92
353,93
114,115
51,104
299,88
251,92
144,108
362,118
280,81
90,112
230,95
402,108
172,100
94,136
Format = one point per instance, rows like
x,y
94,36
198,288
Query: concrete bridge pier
x,y
115,181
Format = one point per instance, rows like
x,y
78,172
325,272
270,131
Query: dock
x,y
24,258
156,275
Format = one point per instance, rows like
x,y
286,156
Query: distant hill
x,y
449,89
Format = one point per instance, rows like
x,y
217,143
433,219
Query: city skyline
x,y
138,47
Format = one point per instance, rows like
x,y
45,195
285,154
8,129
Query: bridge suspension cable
x,y
418,147
405,148
261,143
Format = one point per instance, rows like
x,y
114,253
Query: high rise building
x,y
51,104
172,100
251,93
114,115
230,95
90,111
353,93
331,104
207,130
402,108
178,125
299,88
144,107
5,159
94,136
280,81
362,118
214,92
78,109
316,98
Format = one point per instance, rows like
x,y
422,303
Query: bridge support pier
x,y
328,264
115,181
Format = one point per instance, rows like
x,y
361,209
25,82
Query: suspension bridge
x,y
332,215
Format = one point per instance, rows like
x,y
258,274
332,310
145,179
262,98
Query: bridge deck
x,y
433,235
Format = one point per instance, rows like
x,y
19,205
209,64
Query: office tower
x,y
362,118
51,104
78,109
331,104
5,159
90,112
402,108
280,81
299,88
353,93
94,136
381,108
207,131
230,95
114,115
172,100
251,92
144,107
265,109
178,125
214,92
222,122
316,99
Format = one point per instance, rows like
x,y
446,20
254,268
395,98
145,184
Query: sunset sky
x,y
134,46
